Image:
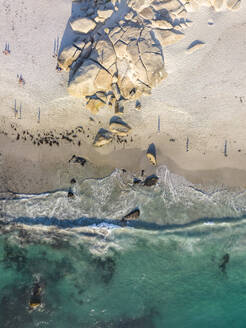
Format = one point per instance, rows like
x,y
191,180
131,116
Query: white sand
x,y
203,99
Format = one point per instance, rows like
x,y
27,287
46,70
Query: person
x,y
58,68
225,260
35,299
21,80
6,51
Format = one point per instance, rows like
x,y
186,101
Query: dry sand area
x,y
188,77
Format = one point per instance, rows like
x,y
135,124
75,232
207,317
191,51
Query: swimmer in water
x,y
225,260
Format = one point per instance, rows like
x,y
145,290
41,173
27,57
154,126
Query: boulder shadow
x,y
118,120
152,150
69,36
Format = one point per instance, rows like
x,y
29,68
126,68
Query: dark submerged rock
x,y
14,256
15,296
136,181
107,267
151,180
70,194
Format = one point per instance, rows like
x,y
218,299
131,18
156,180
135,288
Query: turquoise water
x,y
160,272
143,279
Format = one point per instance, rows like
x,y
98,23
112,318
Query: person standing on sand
x,y
6,51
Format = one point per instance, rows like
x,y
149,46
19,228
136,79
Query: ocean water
x,y
163,270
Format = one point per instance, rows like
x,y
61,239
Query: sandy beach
x,y
195,117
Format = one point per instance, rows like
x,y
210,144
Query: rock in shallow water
x,y
151,180
136,181
133,215
70,194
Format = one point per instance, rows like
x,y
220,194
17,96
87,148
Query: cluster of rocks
x,y
117,50
113,58
148,182
49,138
118,132
117,127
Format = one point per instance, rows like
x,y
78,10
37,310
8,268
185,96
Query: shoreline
x,y
28,168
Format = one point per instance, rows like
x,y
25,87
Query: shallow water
x,y
163,271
